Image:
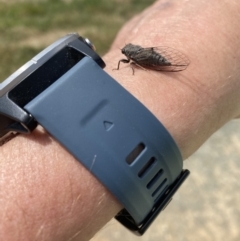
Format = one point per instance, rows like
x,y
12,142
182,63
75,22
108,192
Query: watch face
x,y
35,63
45,75
36,76
29,81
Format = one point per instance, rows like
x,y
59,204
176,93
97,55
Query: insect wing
x,y
162,58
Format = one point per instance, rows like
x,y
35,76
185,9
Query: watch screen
x,y
44,76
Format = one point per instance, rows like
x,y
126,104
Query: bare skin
x,y
45,194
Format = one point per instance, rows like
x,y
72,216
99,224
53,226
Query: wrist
x,y
38,143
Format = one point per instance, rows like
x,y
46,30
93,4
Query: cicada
x,y
155,58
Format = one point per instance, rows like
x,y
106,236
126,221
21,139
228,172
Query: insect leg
x,y
136,64
122,60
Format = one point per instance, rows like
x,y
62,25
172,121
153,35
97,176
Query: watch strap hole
x,y
147,167
155,179
160,189
135,153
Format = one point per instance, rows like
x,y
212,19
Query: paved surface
x,y
208,205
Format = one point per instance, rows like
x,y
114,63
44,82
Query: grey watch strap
x,y
112,134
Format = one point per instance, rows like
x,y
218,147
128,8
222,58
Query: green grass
x,y
98,20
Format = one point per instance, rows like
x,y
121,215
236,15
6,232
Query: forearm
x,y
194,103
47,195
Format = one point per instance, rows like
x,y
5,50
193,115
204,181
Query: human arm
x,y
44,190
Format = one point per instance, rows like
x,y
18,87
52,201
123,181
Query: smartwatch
x,y
65,90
